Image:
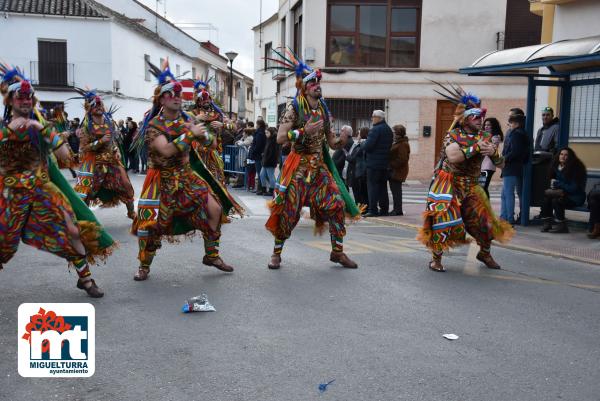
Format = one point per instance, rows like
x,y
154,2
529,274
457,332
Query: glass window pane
x,y
404,20
403,52
342,50
373,26
343,18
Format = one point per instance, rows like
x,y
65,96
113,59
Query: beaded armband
x,y
54,138
470,151
183,141
294,135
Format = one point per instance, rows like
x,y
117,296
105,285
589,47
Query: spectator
x,y
491,125
143,156
516,154
399,155
357,167
246,143
377,148
256,150
567,189
594,206
132,130
546,139
269,161
240,126
73,141
339,156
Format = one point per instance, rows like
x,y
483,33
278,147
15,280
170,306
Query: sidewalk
x,y
573,246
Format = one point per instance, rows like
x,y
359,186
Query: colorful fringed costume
x,y
456,203
175,196
37,205
308,176
101,177
206,111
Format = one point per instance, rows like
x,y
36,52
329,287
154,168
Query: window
x,y
177,70
382,33
52,68
268,53
249,94
147,75
585,109
523,28
298,30
193,72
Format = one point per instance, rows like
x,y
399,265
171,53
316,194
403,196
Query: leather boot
x,y
90,287
560,228
342,259
595,232
546,224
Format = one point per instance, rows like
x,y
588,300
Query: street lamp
x,y
231,55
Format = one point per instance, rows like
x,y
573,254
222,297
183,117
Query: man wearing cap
x,y
546,139
377,148
515,153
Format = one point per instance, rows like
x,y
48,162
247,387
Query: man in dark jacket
x,y
516,154
546,139
377,148
256,151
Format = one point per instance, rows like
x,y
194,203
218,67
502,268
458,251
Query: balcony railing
x,y
58,75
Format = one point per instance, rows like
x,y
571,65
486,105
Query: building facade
x,y
104,45
383,54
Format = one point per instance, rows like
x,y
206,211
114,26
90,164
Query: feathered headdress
x,y
167,82
90,98
289,61
202,91
12,79
467,104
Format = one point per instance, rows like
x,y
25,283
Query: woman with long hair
x,y
567,189
491,125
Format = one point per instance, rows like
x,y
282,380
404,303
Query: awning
x,y
563,57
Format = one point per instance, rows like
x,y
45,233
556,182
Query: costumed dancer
x,y
101,178
456,203
37,205
207,112
179,195
309,177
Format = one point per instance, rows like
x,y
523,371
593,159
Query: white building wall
x,y
128,50
266,98
88,48
576,20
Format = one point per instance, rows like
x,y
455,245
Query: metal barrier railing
x,y
234,160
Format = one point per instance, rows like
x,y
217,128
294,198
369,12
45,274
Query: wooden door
x,y
443,120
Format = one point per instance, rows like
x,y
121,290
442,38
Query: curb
x,y
505,246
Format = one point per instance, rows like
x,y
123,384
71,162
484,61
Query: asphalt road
x,y
527,332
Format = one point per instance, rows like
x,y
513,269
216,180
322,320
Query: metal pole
x,y
230,89
526,191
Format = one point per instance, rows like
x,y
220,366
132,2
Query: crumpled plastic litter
x,y
450,336
323,386
198,304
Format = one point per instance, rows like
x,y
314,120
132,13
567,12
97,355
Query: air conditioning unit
x,y
310,54
116,85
